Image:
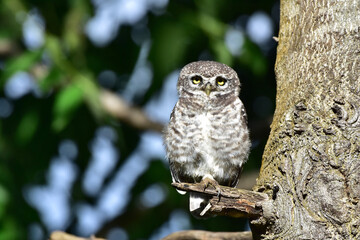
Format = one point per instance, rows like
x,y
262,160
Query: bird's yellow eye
x,y
220,81
196,80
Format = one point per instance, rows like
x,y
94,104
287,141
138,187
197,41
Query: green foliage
x,y
67,101
8,226
4,200
169,45
22,63
66,70
27,127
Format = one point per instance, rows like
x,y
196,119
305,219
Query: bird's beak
x,y
208,89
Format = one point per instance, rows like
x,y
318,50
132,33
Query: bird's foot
x,y
207,181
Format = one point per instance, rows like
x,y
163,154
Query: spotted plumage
x,y
207,137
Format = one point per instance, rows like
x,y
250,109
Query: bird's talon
x,y
208,181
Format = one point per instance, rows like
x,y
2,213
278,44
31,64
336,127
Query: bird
x,y
207,138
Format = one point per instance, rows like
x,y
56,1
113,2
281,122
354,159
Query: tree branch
x,y
205,235
8,48
118,108
58,235
232,202
113,104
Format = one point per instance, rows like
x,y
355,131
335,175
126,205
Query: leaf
x,y
52,79
4,199
27,127
21,63
91,93
54,47
75,20
66,102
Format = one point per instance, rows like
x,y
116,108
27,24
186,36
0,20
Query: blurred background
x,y
85,88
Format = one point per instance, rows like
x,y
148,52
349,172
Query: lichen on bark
x,y
312,157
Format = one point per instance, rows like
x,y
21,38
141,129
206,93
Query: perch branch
x,y
58,235
232,202
205,235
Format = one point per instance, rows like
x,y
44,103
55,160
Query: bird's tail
x,y
197,203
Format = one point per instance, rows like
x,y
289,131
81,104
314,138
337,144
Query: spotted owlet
x,y
207,139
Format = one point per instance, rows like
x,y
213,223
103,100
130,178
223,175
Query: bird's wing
x,y
174,176
243,114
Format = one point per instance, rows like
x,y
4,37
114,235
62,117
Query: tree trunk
x,y
311,163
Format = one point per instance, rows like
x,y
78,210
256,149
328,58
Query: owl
x,y
207,138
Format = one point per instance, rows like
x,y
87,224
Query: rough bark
x,y
311,163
